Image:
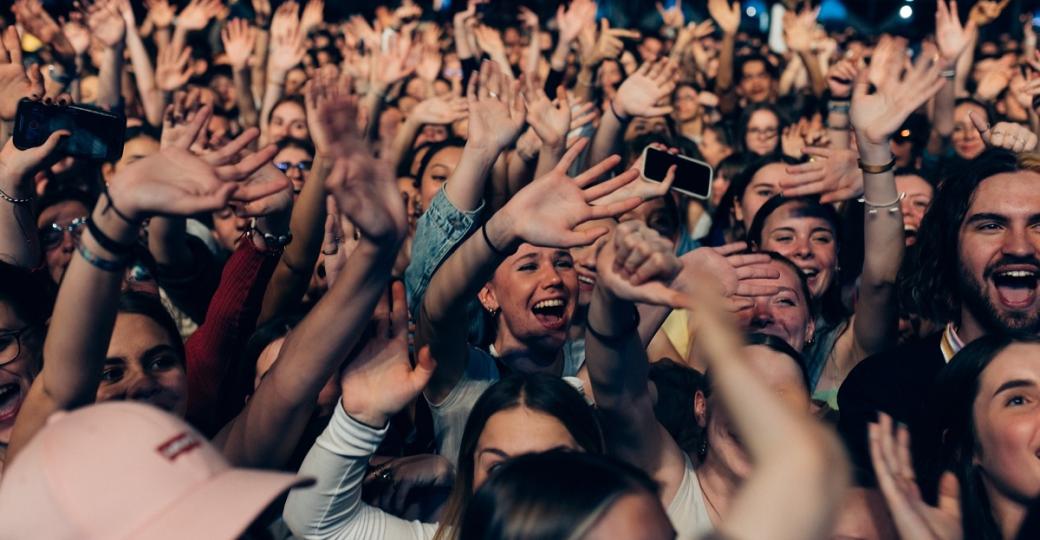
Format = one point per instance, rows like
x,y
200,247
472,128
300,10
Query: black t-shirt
x,y
897,382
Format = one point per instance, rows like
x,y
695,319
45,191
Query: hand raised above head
x,y
546,211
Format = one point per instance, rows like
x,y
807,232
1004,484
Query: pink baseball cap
x,y
129,470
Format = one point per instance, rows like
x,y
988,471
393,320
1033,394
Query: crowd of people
x,y
402,275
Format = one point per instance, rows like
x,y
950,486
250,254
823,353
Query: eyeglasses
x,y
52,235
11,344
768,133
284,166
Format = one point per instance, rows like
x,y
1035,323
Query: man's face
x,y
998,244
649,49
755,82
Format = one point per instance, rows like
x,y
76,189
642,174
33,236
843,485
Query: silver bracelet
x,y
12,200
872,208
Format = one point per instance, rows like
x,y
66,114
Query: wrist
x,y
370,419
619,111
873,153
114,203
111,224
499,232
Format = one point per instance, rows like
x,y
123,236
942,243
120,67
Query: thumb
x,y
425,365
949,495
604,24
982,127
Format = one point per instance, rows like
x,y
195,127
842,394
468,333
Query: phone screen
x,y
692,177
96,134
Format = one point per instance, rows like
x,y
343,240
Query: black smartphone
x,y
692,177
96,134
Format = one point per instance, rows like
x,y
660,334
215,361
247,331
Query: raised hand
x,y
440,110
986,11
172,68
833,173
380,380
37,21
332,116
641,91
160,12
176,182
876,116
551,120
607,46
76,32
840,77
489,41
725,14
951,37
105,23
637,264
366,193
15,164
496,110
238,38
15,81
581,14
798,29
673,17
287,49
894,469
528,19
312,16
273,210
642,188
262,9
397,62
184,122
197,14
546,211
429,66
733,269
1008,135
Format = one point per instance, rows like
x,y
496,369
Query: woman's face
x,y
1007,424
967,142
295,162
762,187
412,201
762,132
514,432
440,167
809,242
415,88
585,259
536,290
58,253
22,345
786,314
719,185
610,74
143,364
288,120
685,104
294,81
917,197
782,375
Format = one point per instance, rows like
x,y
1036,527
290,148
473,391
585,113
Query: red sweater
x,y
213,350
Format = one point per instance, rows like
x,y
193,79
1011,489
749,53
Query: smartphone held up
x,y
692,177
95,134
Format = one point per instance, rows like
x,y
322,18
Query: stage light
x,y
906,12
751,11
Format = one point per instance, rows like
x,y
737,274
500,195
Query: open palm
x,y
876,116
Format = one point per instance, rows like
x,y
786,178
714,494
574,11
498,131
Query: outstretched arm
x,y
637,96
544,213
268,429
171,182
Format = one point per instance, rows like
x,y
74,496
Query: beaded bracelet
x,y
102,264
13,200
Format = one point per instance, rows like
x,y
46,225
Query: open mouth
x,y
10,401
550,313
910,233
586,283
1016,287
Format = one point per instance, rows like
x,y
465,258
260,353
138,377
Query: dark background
x,y
868,17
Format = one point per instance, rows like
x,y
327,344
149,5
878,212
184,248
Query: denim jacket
x,y
440,230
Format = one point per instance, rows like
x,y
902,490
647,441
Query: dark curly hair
x,y
929,280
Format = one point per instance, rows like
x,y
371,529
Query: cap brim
x,y
222,507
